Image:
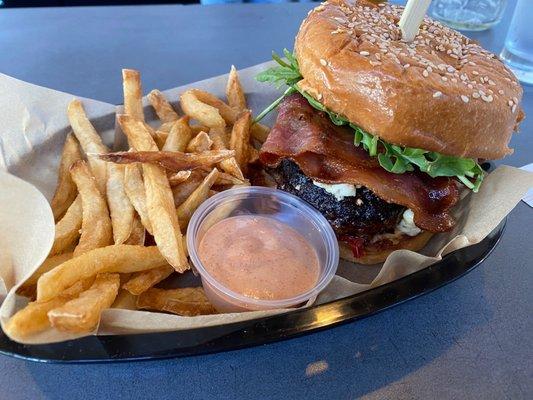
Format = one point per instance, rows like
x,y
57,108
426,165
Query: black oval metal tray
x,y
259,331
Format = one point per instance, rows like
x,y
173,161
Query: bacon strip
x,y
326,152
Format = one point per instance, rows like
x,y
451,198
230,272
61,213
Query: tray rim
x,y
493,238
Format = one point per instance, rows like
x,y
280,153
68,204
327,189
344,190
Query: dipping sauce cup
x,y
271,203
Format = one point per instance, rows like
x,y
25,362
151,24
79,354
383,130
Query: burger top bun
x,y
441,92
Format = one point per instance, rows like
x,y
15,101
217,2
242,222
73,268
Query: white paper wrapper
x,y
30,147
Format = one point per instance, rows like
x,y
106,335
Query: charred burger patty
x,y
362,215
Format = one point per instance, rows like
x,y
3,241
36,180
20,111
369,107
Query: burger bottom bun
x,y
376,255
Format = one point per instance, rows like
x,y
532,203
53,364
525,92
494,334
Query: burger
x,y
381,135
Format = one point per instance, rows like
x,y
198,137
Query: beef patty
x,y
362,215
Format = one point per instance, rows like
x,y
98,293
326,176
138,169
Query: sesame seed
x,y
515,100
491,82
359,202
364,53
444,78
487,99
425,73
464,98
323,62
450,69
475,72
501,91
319,96
510,102
437,94
476,95
513,109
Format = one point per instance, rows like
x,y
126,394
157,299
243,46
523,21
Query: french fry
x,y
240,139
165,127
253,155
230,165
201,142
196,129
96,228
200,194
204,113
170,160
182,191
138,232
68,228
140,282
185,301
48,264
120,207
89,141
125,301
162,107
66,190
180,134
226,112
121,258
132,88
34,317
259,132
83,313
234,91
134,187
159,199
179,177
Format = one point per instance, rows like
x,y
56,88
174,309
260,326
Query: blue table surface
x,y
469,340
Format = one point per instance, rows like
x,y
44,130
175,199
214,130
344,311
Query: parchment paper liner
x,y
34,128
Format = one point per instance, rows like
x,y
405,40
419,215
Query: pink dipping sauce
x,y
259,257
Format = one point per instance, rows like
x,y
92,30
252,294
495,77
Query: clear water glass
x,y
518,49
469,15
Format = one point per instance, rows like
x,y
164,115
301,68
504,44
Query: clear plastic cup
x,y
271,203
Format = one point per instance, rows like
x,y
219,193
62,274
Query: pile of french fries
x,y
112,207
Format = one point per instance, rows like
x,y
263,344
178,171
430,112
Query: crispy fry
x,y
240,139
180,134
89,140
66,190
234,91
83,313
48,264
204,113
68,228
121,258
140,282
253,155
134,187
200,194
125,300
33,318
230,165
201,142
259,132
229,114
185,301
96,228
171,160
162,107
182,191
196,129
131,85
159,199
120,207
138,232
179,177
166,127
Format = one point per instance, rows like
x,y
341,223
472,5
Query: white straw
x,y
412,17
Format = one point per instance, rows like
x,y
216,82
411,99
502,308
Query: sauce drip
x,y
259,257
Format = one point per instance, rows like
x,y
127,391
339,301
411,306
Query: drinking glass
x,y
469,15
518,48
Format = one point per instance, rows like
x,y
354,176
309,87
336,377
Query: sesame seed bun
x,y
375,254
442,92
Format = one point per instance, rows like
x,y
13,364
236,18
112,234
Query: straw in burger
x,y
380,134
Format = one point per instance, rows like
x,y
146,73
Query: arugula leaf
x,y
393,158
